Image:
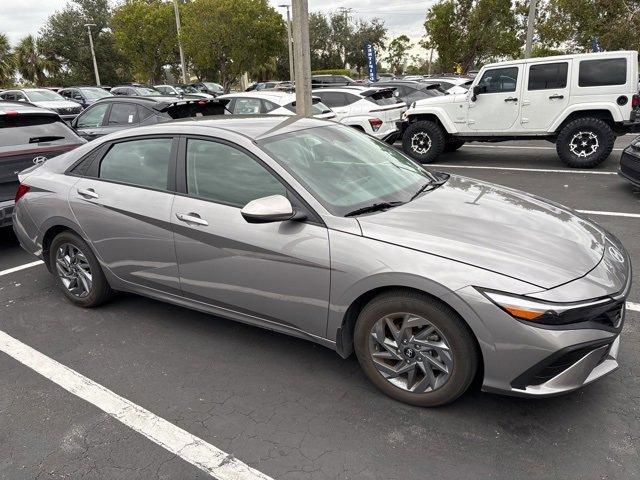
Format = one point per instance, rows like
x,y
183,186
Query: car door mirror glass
x,y
274,208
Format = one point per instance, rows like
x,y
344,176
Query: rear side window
x,y
247,106
92,117
383,98
599,73
499,80
143,163
337,99
224,174
548,76
35,130
123,114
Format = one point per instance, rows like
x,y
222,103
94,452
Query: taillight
x,y
635,101
375,123
22,190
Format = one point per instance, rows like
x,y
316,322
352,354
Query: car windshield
x,y
43,95
213,86
347,170
147,92
187,89
95,93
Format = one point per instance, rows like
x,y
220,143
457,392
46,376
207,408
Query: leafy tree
x,y
31,63
470,32
373,32
225,38
64,37
6,62
397,53
145,33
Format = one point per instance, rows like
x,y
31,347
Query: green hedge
x,y
333,71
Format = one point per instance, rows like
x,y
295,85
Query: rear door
x,y
545,94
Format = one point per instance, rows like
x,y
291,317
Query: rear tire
x,y
453,144
434,336
423,141
77,271
585,142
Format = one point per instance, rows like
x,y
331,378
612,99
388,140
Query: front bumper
x,y
6,212
630,164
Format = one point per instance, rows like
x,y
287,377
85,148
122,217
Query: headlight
x,y
550,313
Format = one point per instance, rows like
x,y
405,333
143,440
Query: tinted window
x,y
93,116
269,106
499,80
335,99
123,114
138,162
246,106
547,76
35,130
596,73
226,175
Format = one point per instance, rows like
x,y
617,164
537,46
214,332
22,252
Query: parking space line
x,y
610,214
633,306
190,448
522,147
519,169
20,267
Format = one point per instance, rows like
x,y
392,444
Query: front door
x,y
274,273
545,94
497,106
89,124
124,206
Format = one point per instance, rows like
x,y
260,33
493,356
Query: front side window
x,y
345,169
224,174
92,117
599,73
499,80
333,99
123,114
143,163
548,76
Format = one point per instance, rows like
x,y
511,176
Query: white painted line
x,y
21,267
610,214
523,147
518,169
633,306
194,450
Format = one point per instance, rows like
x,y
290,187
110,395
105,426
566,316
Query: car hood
x,y
56,104
495,228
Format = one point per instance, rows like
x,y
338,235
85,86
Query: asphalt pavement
x,y
292,409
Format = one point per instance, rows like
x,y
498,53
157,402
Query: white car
x,y
41,97
273,102
181,90
376,111
452,85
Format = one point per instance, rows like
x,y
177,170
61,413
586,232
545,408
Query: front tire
x,y
585,142
77,271
415,349
423,141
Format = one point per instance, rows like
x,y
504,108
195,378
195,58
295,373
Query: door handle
x,y
556,97
511,99
88,193
192,218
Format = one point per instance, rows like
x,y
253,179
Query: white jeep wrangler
x,y
579,102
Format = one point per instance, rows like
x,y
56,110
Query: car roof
x,y
24,108
157,102
580,56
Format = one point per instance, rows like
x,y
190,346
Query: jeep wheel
x,y
585,143
423,141
453,144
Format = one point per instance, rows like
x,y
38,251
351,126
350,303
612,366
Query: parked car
x,y
630,163
411,91
44,98
311,228
29,135
373,110
331,80
85,96
452,85
413,78
118,113
211,88
181,90
269,85
579,102
135,90
271,102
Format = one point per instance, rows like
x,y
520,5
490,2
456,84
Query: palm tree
x,y
31,63
6,62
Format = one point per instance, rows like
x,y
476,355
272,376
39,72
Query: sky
x,y
21,17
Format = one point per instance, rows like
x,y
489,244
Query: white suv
x,y
376,111
579,102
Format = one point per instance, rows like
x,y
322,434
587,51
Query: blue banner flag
x,y
370,53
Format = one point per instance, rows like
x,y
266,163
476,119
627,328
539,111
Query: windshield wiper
x,y
45,138
429,186
376,207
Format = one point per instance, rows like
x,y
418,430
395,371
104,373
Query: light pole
x,y
290,43
184,67
93,53
530,23
303,57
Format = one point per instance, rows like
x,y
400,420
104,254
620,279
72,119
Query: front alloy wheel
x,y
421,143
74,270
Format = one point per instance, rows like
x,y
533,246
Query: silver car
x,y
313,229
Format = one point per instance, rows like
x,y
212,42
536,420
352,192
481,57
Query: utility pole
x,y
184,66
290,43
530,24
303,56
93,53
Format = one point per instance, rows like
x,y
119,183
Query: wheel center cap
x,y
409,352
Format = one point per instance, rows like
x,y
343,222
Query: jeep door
x,y
545,94
497,106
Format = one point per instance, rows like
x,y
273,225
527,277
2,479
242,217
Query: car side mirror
x,y
477,90
275,208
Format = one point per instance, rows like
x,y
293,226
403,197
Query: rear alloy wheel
x,y
415,349
423,141
77,271
585,142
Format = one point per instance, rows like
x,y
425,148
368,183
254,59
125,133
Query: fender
x,y
413,114
610,107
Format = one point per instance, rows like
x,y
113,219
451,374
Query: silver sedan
x,y
313,229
